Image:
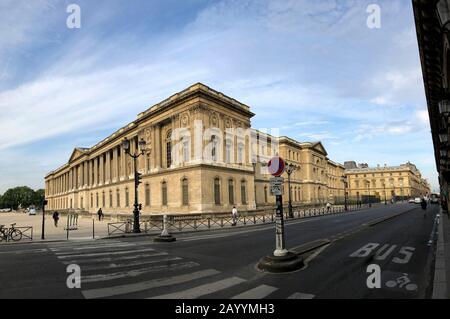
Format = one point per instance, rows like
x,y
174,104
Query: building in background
x,y
386,182
201,156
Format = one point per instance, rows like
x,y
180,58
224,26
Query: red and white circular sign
x,y
276,166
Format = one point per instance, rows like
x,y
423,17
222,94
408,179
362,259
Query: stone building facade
x,y
386,182
201,155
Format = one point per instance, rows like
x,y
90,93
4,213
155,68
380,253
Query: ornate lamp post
x,y
290,168
137,178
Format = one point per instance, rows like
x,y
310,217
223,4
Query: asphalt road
x,y
221,264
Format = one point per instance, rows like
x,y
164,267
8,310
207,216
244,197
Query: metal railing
x,y
182,223
26,233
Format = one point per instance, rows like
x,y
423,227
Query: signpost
x,y
281,260
276,167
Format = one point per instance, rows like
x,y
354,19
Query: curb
x,y
440,280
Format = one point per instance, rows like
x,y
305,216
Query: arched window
x,y
164,193
147,195
243,193
127,197
169,149
217,191
185,191
118,197
231,192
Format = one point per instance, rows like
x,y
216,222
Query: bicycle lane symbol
x,y
387,279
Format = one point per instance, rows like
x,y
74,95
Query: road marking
x,y
203,290
62,256
92,247
299,295
146,285
132,264
27,251
137,272
109,259
259,292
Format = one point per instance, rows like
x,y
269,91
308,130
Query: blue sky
x,y
311,68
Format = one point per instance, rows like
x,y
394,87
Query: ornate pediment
x,y
77,152
319,148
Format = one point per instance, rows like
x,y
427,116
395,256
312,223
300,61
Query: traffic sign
x,y
276,166
276,180
276,190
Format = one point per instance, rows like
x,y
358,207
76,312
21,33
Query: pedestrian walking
x,y
423,203
100,214
328,207
55,218
235,215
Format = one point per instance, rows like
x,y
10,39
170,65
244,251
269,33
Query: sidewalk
x,y
442,264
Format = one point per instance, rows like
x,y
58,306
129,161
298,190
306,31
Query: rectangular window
x,y
118,198
147,195
110,199
164,194
127,198
243,194
217,191
231,192
185,192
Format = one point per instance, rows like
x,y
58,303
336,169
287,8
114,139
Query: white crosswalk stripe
x,y
203,290
147,285
138,272
111,259
259,292
299,295
130,264
60,256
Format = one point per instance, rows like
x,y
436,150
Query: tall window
x,y
92,200
169,149
118,197
243,193
110,199
185,191
186,154
82,203
127,197
147,195
217,191
240,155
96,199
228,146
164,193
265,194
231,191
214,148
148,160
103,199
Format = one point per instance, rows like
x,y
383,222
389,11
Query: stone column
x,y
108,168
102,169
115,165
96,171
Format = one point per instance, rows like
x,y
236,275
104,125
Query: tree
x,y
19,196
39,196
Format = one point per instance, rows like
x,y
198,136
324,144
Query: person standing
x,y
328,207
234,214
100,214
55,218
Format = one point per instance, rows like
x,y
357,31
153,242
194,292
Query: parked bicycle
x,y
11,233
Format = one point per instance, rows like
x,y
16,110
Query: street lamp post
x,y
137,178
344,180
290,168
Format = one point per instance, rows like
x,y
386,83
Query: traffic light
x,y
140,206
137,179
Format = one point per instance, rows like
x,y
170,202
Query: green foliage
x,y
22,196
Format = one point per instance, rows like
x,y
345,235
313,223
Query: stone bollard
x,y
165,236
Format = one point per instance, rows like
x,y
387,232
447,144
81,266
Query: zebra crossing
x,y
120,269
